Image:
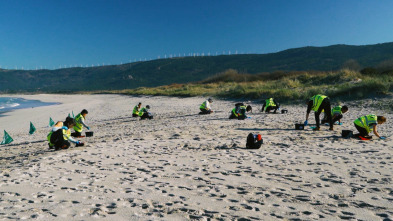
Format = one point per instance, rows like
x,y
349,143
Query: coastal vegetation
x,y
344,84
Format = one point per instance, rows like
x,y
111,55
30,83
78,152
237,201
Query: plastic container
x,y
346,133
284,111
89,133
299,126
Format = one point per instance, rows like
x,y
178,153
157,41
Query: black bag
x,y
253,142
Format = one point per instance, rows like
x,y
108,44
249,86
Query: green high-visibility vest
x,y
269,103
366,122
136,110
142,111
78,126
241,110
317,101
203,105
336,110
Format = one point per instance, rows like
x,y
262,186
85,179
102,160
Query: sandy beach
x,y
182,165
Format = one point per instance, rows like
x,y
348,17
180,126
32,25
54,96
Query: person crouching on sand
x,y
135,111
144,113
205,107
239,112
270,104
318,103
80,123
337,114
60,135
365,123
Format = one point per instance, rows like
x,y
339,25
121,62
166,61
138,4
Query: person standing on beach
x,y
365,123
60,135
205,107
318,103
270,104
80,123
337,114
135,111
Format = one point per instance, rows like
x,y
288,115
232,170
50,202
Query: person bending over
x,y
270,104
337,114
205,107
60,135
144,113
364,125
318,103
80,123
239,112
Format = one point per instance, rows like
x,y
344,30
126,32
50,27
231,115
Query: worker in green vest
x,y
144,113
239,112
60,135
205,107
135,111
367,123
319,103
337,114
270,104
80,123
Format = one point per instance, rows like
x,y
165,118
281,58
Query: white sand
x,y
182,165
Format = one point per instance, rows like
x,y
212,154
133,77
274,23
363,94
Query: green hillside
x,y
190,69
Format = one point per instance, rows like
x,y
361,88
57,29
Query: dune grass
x,y
285,86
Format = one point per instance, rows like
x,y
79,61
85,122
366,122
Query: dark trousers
x,y
326,107
335,118
146,115
362,131
135,115
204,111
268,109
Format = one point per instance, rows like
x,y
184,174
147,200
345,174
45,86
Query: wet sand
x,y
182,165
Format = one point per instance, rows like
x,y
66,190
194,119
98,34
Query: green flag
x,y
6,139
51,122
32,128
69,115
73,116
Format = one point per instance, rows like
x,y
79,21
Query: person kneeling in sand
x,y
318,103
270,104
60,135
135,111
80,123
337,114
239,112
205,107
365,123
144,113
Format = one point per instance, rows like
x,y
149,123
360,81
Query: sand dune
x,y
182,165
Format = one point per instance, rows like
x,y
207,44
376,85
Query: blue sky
x,y
54,34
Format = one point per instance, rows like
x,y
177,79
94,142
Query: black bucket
x,y
346,133
89,133
284,111
299,126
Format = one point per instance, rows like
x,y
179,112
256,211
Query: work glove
x,y
88,128
305,123
340,123
248,117
78,142
382,138
65,128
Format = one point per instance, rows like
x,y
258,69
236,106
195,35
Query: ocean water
x,y
12,103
